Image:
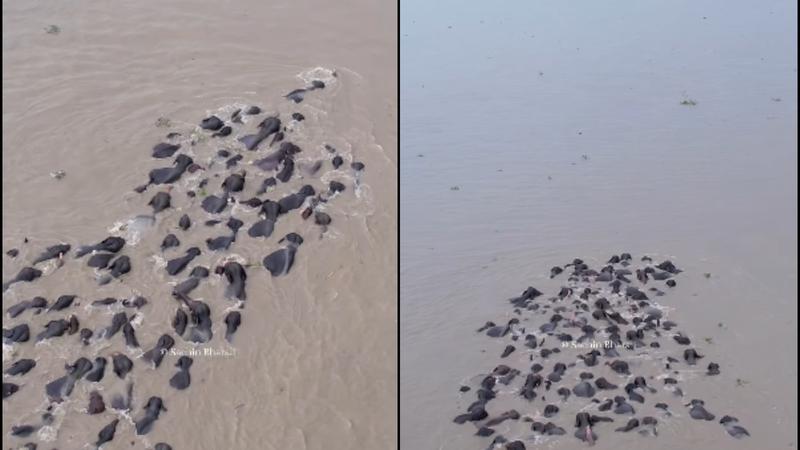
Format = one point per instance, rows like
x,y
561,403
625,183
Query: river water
x,y
537,132
89,89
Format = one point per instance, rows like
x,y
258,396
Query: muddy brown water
x,y
499,107
314,363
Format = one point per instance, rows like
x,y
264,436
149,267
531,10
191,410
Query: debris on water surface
x,y
163,122
58,174
52,29
689,102
455,188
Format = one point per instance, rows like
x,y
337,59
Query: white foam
x,y
8,352
327,76
159,262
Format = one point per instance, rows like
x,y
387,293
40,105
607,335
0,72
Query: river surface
x,y
537,132
89,89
